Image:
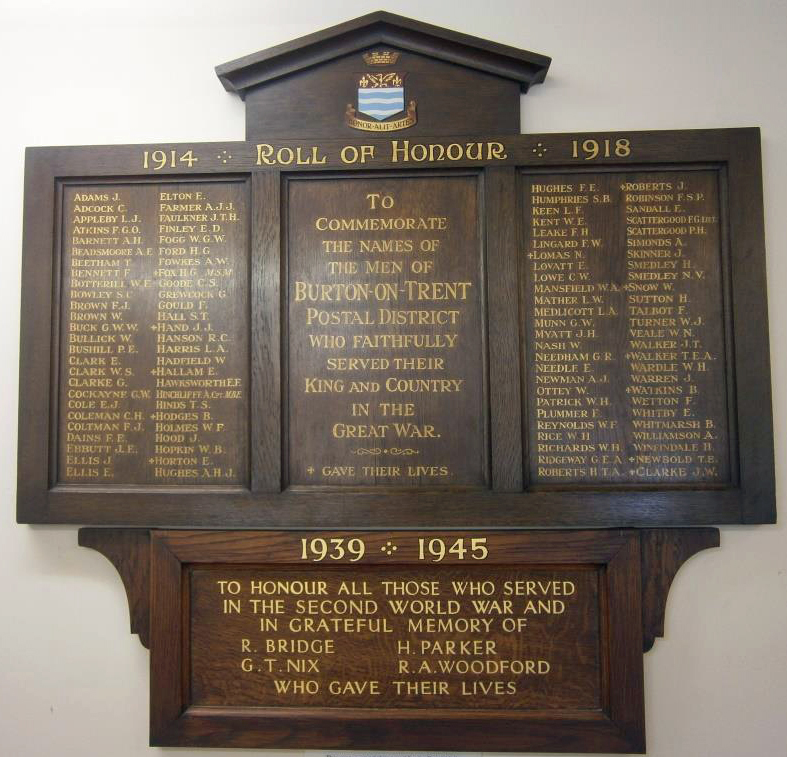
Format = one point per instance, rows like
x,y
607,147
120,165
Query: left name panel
x,y
153,368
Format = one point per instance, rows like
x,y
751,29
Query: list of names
x,y
624,328
153,353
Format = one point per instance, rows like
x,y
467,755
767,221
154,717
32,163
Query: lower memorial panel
x,y
397,640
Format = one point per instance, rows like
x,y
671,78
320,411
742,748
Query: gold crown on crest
x,y
380,58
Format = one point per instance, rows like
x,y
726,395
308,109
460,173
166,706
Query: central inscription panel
x,y
386,349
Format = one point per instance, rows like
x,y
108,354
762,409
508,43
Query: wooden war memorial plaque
x,y
585,344
399,314
510,640
364,319
416,640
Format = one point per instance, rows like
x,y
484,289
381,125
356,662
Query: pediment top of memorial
x,y
383,29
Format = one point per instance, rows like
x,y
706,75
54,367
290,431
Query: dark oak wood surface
x,y
383,27
552,664
747,495
360,408
197,700
625,325
325,93
305,86
200,696
129,551
154,330
354,331
663,553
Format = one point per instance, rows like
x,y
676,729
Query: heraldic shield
x,y
381,95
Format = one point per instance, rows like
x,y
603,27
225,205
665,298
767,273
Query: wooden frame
x,y
618,726
750,499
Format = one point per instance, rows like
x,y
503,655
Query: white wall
x,y
72,680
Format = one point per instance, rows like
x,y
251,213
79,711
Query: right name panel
x,y
626,358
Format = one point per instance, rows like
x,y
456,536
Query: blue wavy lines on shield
x,y
380,102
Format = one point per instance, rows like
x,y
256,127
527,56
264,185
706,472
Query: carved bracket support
x,y
128,549
663,551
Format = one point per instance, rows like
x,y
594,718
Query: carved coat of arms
x,y
381,98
